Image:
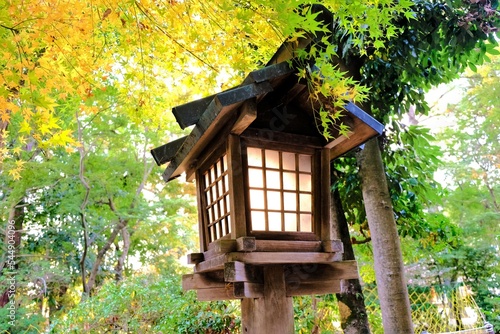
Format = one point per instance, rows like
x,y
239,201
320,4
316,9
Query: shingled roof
x,y
276,96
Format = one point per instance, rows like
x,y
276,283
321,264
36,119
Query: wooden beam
x,y
332,261
269,72
236,290
212,294
364,128
287,246
242,272
313,288
181,161
264,137
237,190
209,289
195,258
283,258
248,114
202,214
242,93
339,140
288,236
248,290
167,152
223,246
246,244
332,246
189,113
340,270
301,273
325,224
216,263
213,119
203,281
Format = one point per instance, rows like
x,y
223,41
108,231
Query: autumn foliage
x,y
62,60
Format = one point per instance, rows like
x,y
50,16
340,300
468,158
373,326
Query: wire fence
x,y
442,309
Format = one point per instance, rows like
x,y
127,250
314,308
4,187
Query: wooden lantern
x,y
262,172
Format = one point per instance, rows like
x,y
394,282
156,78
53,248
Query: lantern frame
x,y
271,110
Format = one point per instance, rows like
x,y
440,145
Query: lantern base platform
x,y
233,269
251,244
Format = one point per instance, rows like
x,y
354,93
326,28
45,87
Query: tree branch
x,y
355,241
122,223
183,47
123,256
83,205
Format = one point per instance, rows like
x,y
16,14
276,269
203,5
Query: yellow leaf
x,y
15,173
62,138
20,164
3,153
4,116
25,127
16,150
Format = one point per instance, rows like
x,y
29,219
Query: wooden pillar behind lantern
x,y
262,175
273,313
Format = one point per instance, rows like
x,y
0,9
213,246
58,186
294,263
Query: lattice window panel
x,y
216,190
280,188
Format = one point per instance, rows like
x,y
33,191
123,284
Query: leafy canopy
x,y
60,58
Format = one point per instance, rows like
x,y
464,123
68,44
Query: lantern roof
x,y
271,99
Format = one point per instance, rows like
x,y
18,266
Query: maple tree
x,y
79,77
150,54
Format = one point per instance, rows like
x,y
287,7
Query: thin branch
x,y
83,180
355,241
147,169
14,30
141,50
122,223
183,47
123,256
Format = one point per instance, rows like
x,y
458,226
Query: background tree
x,y
398,75
472,167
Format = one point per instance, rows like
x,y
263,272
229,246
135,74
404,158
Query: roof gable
x,y
269,99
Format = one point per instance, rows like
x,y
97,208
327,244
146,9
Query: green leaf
x,y
493,50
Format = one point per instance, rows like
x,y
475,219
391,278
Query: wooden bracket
x,y
332,246
240,272
246,244
195,258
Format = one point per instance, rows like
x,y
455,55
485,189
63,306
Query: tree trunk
x,y
120,263
10,264
102,252
389,269
353,316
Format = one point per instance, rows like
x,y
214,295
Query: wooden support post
x,y
236,188
273,313
324,186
